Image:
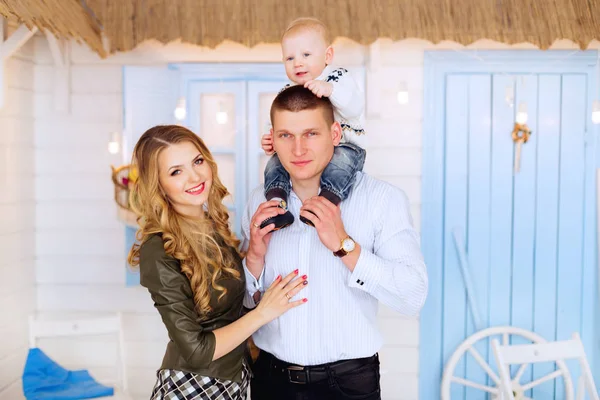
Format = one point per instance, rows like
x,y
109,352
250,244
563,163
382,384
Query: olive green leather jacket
x,y
192,342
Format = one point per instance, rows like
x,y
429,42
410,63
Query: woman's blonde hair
x,y
205,247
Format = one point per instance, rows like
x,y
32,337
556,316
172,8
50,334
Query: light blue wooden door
x,y
530,235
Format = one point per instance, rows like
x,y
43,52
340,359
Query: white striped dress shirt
x,y
339,321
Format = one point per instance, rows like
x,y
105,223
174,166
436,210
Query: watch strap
x,y
340,253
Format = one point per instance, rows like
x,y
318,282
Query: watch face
x,y
348,245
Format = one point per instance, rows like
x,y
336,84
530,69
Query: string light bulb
x,y
596,112
114,143
522,114
403,93
509,96
221,115
180,110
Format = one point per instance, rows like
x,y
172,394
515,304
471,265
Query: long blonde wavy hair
x,y
205,247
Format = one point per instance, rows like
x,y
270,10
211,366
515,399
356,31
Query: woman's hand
x,y
277,299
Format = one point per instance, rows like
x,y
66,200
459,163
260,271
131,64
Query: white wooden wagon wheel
x,y
504,334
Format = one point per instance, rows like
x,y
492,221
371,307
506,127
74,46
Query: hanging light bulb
x,y
221,115
509,96
596,112
403,93
522,114
180,110
114,143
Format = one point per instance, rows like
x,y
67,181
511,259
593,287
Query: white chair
x,y
544,352
39,328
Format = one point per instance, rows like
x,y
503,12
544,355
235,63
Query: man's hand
x,y
319,88
259,238
327,219
266,142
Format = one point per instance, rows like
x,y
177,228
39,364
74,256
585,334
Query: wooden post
x,y
7,49
373,89
60,54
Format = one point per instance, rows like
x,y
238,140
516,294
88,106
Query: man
x,y
357,254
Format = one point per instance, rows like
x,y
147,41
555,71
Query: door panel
x,y
218,125
525,231
571,194
546,216
478,200
454,299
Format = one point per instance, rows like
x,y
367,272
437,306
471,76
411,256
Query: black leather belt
x,y
302,375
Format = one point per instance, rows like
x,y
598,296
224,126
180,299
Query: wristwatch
x,y
346,246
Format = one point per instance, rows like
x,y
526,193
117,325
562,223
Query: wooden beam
x,y
15,41
62,70
62,83
56,49
7,49
373,84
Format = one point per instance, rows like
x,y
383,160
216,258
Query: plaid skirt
x,y
178,385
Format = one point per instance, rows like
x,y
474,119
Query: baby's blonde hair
x,y
308,24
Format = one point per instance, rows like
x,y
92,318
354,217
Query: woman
x,y
190,264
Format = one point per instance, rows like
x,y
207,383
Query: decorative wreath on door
x,y
521,133
124,178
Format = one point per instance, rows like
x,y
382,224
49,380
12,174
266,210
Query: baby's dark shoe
x,y
280,220
332,197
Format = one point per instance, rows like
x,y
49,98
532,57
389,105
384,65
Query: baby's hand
x,y
266,142
319,88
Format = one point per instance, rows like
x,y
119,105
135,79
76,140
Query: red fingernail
x,y
296,271
278,277
303,276
304,300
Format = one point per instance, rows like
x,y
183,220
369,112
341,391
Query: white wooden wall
x,y
79,245
17,218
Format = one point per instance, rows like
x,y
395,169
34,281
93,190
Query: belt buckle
x,y
297,368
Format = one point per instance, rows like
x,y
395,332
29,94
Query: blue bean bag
x,y
44,379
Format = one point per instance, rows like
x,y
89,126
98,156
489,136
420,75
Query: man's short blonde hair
x,y
308,24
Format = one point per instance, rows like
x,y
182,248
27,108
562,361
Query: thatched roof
x,y
127,23
64,18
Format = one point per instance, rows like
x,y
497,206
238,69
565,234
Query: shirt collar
x,y
294,195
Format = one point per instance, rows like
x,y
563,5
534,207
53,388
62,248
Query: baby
x,y
307,54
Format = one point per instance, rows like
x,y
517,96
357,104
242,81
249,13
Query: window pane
x,y
217,115
226,166
264,119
